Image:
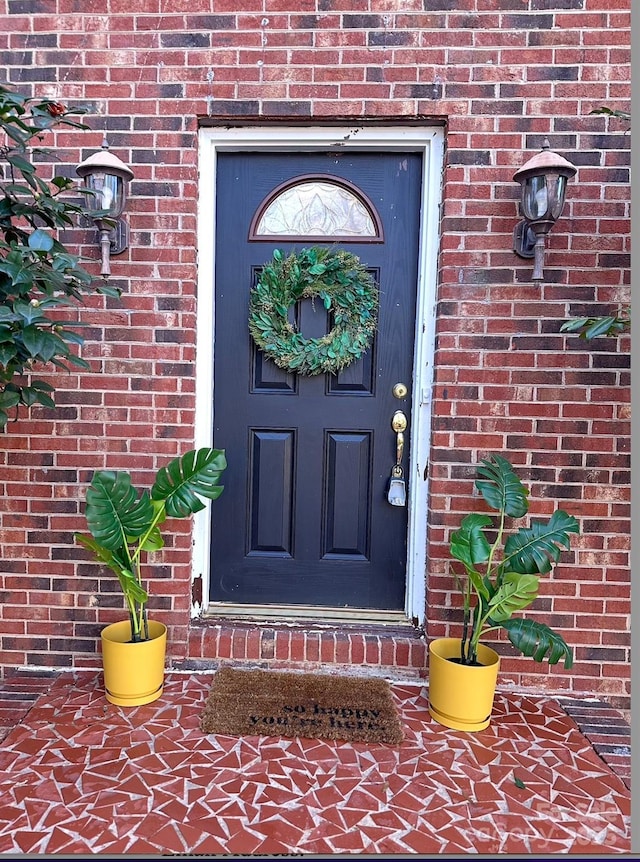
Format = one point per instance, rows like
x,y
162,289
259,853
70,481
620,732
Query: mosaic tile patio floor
x,y
81,776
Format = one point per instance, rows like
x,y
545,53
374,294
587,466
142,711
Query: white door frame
x,y
428,141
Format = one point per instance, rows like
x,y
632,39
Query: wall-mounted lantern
x,y
106,176
544,182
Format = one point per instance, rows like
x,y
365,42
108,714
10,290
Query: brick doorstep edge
x,y
607,730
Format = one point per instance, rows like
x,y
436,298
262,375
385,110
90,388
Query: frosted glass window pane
x,y
316,209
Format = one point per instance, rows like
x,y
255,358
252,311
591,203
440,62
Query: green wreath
x,y
345,287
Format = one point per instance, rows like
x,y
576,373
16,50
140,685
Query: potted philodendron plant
x,y
125,525
500,577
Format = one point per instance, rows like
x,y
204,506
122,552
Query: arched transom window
x,y
317,207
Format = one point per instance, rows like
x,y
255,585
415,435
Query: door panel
x,y
304,518
271,474
346,511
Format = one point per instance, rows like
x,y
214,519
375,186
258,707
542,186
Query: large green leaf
x,y
154,540
7,353
18,270
9,398
623,115
534,549
537,641
593,327
133,590
21,164
113,510
184,480
40,240
29,312
514,593
502,489
115,560
100,553
468,544
30,395
42,345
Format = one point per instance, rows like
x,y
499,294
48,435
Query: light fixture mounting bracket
x,y
524,240
119,236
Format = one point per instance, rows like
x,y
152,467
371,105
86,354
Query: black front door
x,y
304,518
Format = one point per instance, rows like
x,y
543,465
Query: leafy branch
x,y
38,275
594,327
614,324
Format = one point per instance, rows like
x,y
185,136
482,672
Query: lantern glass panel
x,y
535,198
559,187
109,193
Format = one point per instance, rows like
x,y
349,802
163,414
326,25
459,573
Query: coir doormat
x,y
276,703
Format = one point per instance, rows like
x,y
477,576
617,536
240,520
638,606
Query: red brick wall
x,y
502,74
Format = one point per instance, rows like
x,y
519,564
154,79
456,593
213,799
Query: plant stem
x,y
142,624
466,619
497,542
472,651
478,619
133,618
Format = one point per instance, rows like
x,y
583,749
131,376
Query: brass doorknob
x,y
399,421
399,390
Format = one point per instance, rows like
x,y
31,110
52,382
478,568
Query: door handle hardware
x,y
397,493
399,424
399,421
399,447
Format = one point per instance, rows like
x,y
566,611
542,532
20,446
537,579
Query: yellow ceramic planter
x,y
461,696
133,672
